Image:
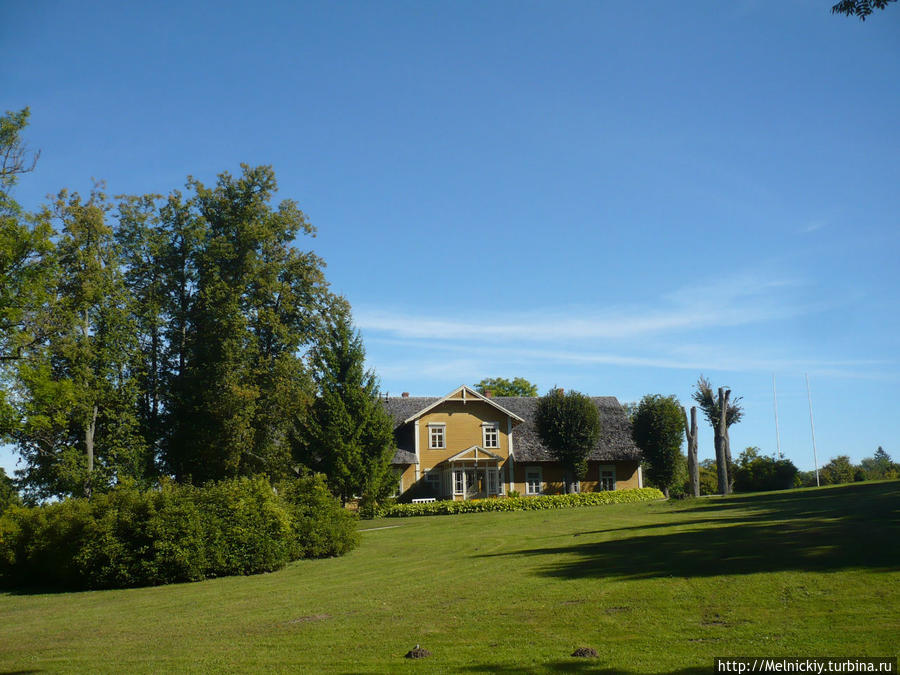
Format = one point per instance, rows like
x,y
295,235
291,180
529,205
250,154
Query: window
x,y
607,478
433,481
490,435
436,436
464,482
533,480
493,482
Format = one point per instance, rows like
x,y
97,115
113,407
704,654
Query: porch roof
x,y
472,455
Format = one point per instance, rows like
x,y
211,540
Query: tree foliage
x,y
173,335
712,407
499,386
348,434
709,404
859,8
757,472
839,470
657,429
879,467
569,425
76,395
9,496
26,264
255,302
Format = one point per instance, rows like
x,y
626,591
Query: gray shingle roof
x,y
615,435
403,457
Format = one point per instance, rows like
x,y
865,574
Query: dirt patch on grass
x,y
585,653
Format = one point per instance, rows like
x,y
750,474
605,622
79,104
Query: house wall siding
x,y
463,430
554,479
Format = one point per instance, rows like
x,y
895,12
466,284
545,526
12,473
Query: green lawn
x,y
655,588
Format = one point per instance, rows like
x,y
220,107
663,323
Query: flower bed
x,y
446,508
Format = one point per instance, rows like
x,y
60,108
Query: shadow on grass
x,y
855,526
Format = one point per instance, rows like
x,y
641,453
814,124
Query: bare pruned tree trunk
x,y
690,430
728,462
722,450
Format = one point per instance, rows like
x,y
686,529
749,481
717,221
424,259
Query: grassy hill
x,y
655,588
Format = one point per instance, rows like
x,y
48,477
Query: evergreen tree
x,y
348,434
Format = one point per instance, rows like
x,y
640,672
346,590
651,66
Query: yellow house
x,y
466,445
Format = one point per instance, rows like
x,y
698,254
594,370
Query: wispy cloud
x,y
479,359
734,301
813,226
681,330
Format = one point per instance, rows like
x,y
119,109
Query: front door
x,y
476,483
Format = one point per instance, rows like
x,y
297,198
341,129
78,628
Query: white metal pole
x,y
813,429
775,399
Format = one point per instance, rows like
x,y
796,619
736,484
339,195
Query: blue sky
x,y
609,197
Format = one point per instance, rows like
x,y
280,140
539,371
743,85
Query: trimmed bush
x,y
445,508
322,527
176,533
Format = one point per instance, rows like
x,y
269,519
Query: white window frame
x,y
601,480
460,475
492,428
432,429
540,481
494,484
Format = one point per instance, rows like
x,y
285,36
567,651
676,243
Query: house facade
x,y
467,446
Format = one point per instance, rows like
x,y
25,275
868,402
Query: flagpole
x,y
775,399
813,429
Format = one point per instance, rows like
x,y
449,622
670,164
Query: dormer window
x,y
490,435
437,436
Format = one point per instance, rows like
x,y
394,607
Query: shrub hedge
x,y
129,537
445,508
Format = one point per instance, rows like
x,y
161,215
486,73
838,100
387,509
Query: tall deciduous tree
x,y
26,264
348,434
657,428
255,304
721,413
78,429
499,386
143,243
569,425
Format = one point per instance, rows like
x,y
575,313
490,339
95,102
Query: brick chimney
x,y
405,394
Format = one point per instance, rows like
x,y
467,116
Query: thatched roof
x,y
615,430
